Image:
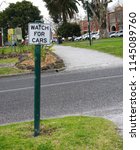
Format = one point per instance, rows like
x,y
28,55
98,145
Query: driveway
x,y
77,58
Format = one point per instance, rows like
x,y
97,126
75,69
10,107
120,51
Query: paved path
x,y
77,58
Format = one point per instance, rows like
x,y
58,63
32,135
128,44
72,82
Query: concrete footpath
x,y
79,58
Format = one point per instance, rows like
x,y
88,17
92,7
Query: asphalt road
x,y
84,92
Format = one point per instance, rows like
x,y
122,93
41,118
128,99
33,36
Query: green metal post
x,y
37,91
2,37
88,23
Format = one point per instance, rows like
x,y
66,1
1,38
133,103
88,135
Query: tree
x,y
19,15
69,30
99,10
61,10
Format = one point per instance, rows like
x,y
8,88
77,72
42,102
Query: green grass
x,y
69,133
17,49
112,46
8,60
10,70
10,50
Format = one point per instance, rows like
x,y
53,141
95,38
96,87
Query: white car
x,y
95,36
120,33
78,38
112,32
115,34
85,36
69,38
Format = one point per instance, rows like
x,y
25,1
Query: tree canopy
x,y
61,10
19,15
69,30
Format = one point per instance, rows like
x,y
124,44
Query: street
x,y
87,92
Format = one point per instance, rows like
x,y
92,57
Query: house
x,y
84,26
114,21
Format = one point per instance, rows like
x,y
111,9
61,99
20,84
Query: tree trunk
x,y
99,9
64,17
103,25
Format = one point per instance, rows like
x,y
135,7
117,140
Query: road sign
x,y
18,33
39,33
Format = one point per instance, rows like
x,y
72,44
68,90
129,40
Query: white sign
x,y
18,33
39,33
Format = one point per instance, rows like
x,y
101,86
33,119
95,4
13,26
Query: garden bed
x,y
23,61
52,61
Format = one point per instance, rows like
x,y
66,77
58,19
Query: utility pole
x,y
88,22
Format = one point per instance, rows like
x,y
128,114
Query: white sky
x,y
41,6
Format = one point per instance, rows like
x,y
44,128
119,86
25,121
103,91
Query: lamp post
x,y
87,3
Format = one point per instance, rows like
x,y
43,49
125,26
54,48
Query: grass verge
x,y
112,46
8,60
68,133
17,49
10,70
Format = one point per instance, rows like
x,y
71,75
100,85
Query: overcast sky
x,y
41,6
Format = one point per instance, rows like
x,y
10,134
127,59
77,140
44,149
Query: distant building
x,y
114,21
84,26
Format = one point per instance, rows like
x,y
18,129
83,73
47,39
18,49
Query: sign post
x,y
37,91
39,34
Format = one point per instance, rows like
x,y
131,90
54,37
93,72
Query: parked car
x,y
112,32
85,36
78,38
95,36
120,33
69,38
63,39
115,34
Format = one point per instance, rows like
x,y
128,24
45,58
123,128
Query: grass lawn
x,y
112,46
8,60
10,70
16,49
68,133
10,50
